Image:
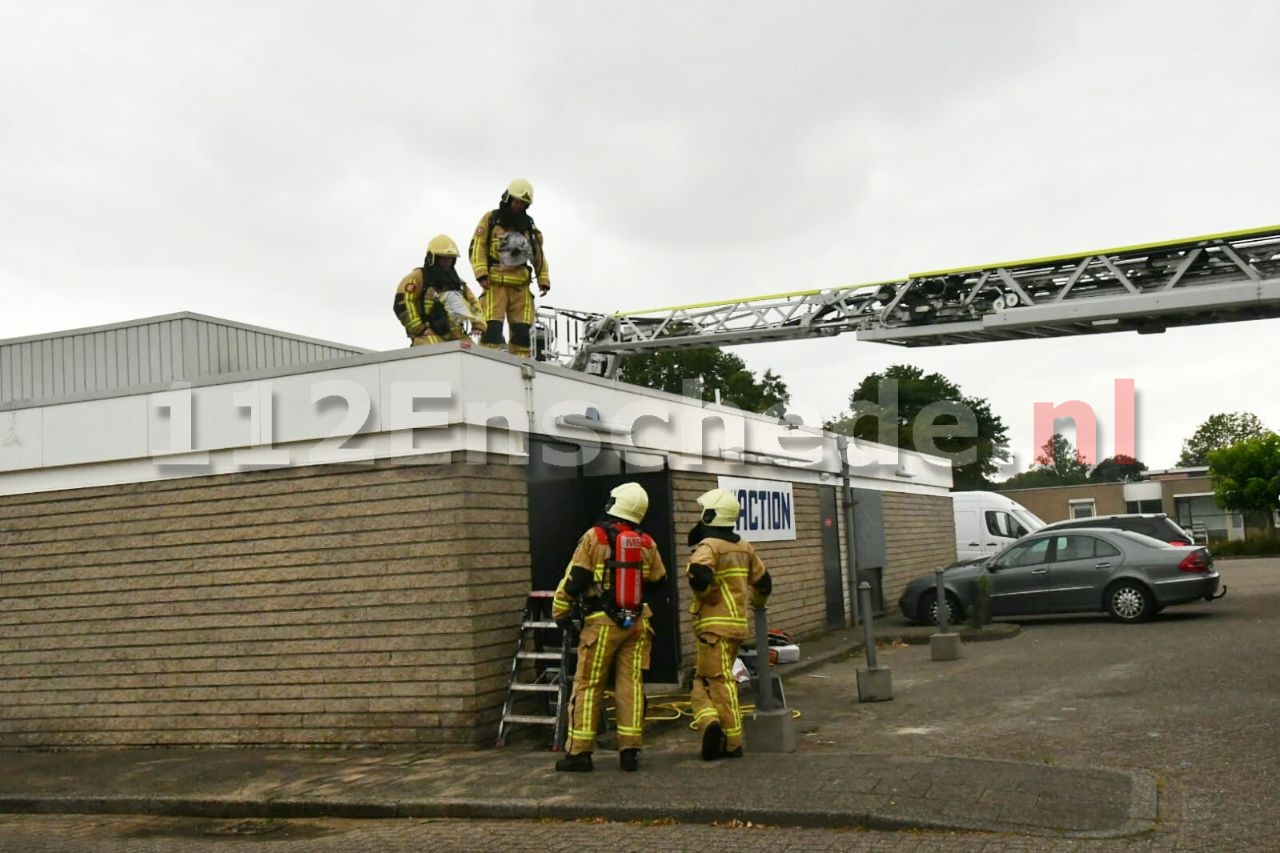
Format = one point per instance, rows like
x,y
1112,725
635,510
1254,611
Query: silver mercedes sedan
x,y
1128,575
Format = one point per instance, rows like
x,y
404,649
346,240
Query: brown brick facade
x,y
334,606
295,607
920,536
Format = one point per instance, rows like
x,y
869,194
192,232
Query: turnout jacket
x,y
739,580
584,576
420,311
506,256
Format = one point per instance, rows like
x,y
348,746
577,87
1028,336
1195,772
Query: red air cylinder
x,y
628,572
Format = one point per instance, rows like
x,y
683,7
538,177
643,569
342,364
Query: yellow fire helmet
x,y
629,501
441,246
719,508
521,189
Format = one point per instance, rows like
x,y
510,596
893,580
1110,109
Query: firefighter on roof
x,y
726,575
432,302
614,561
506,253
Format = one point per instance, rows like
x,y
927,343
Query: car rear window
x,y
1159,527
1174,531
1149,541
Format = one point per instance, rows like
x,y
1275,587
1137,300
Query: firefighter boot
x,y
734,753
713,742
629,760
580,763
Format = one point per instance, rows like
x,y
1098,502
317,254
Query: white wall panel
x,y
471,401
21,439
421,392
95,431
337,403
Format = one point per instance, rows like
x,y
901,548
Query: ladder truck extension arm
x,y
1146,288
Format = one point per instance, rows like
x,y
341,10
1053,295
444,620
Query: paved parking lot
x,y
1192,698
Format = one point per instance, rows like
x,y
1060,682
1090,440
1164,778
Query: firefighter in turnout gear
x,y
726,576
506,254
432,302
611,567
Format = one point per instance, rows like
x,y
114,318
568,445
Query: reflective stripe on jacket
x,y
485,254
414,302
722,607
592,554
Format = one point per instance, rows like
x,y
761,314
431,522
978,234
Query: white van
x,y
987,521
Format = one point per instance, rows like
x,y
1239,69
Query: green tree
x,y
1246,476
712,369
904,407
1059,457
1220,430
1034,478
1059,464
1118,469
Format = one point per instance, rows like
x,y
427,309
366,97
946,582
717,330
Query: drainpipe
x,y
527,372
851,554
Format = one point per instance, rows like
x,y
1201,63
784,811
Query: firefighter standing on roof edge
x,y
726,575
506,252
610,569
433,303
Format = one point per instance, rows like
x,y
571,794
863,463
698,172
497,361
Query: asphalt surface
x,y
1073,730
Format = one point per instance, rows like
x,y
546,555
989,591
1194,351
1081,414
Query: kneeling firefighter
x,y
613,564
726,575
433,303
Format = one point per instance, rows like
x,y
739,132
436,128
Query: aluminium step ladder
x,y
541,669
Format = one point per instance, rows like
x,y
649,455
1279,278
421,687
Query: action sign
x,y
766,509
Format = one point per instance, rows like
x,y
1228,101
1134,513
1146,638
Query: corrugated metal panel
x,y
153,351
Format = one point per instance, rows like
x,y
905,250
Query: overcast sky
x,y
283,164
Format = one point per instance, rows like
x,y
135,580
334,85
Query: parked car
x,y
1157,525
1128,575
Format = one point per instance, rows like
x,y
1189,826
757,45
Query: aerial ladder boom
x,y
1146,288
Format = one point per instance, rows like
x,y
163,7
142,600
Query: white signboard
x,y
767,512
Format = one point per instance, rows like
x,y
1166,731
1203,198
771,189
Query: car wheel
x,y
929,607
1129,601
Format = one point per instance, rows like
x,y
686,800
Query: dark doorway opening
x,y
568,485
832,570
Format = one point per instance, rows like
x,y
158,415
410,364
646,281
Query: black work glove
x,y
568,626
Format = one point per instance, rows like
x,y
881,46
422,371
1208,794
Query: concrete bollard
x,y
771,727
875,683
944,644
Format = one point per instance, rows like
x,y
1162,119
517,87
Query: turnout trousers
x,y
714,697
603,644
513,303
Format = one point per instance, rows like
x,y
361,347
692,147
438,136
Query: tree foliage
x,y
1118,469
1057,464
1220,430
1246,475
706,370
904,407
1060,457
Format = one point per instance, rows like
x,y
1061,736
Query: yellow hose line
x,y
673,707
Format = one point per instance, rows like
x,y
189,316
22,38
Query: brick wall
x,y
1053,503
920,536
320,606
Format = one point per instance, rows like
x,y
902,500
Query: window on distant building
x,y
1153,505
1082,508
